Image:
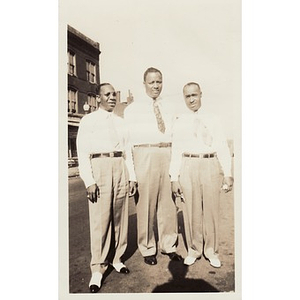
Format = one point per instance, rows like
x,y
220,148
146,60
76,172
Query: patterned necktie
x,y
160,121
200,130
113,134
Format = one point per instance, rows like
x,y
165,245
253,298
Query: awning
x,y
70,123
73,121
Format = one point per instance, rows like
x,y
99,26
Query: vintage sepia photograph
x,y
144,149
150,148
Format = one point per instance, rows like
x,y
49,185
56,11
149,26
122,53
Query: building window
x,y
71,63
92,102
90,72
72,101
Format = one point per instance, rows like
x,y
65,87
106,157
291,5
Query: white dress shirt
x,y
142,122
95,136
185,141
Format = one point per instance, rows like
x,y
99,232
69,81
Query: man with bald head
x,y
200,165
102,145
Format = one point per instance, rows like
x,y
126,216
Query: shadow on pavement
x,y
132,238
107,273
181,284
181,227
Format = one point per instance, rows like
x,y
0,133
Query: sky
x,y
188,40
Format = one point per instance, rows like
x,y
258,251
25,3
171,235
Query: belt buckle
x,y
111,154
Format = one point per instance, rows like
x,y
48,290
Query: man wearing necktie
x,y
200,166
102,146
149,125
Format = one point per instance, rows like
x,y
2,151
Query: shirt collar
x,y
191,112
198,114
158,100
105,112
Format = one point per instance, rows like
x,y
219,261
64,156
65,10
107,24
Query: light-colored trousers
x,y
155,199
109,215
200,179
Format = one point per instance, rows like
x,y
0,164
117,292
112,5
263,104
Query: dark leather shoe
x,y
124,270
94,288
150,260
174,256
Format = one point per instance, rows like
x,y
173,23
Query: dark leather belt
x,y
206,155
107,154
159,145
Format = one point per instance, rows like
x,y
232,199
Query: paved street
x,y
166,276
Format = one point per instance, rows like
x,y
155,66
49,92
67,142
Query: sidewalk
x,y
166,276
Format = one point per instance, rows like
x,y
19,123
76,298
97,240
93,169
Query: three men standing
x,y
191,150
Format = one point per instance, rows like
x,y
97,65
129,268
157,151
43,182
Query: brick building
x,y
83,80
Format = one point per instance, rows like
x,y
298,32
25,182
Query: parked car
x,y
72,162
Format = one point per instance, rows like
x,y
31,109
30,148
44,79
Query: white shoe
x,y
189,260
215,262
118,266
96,279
